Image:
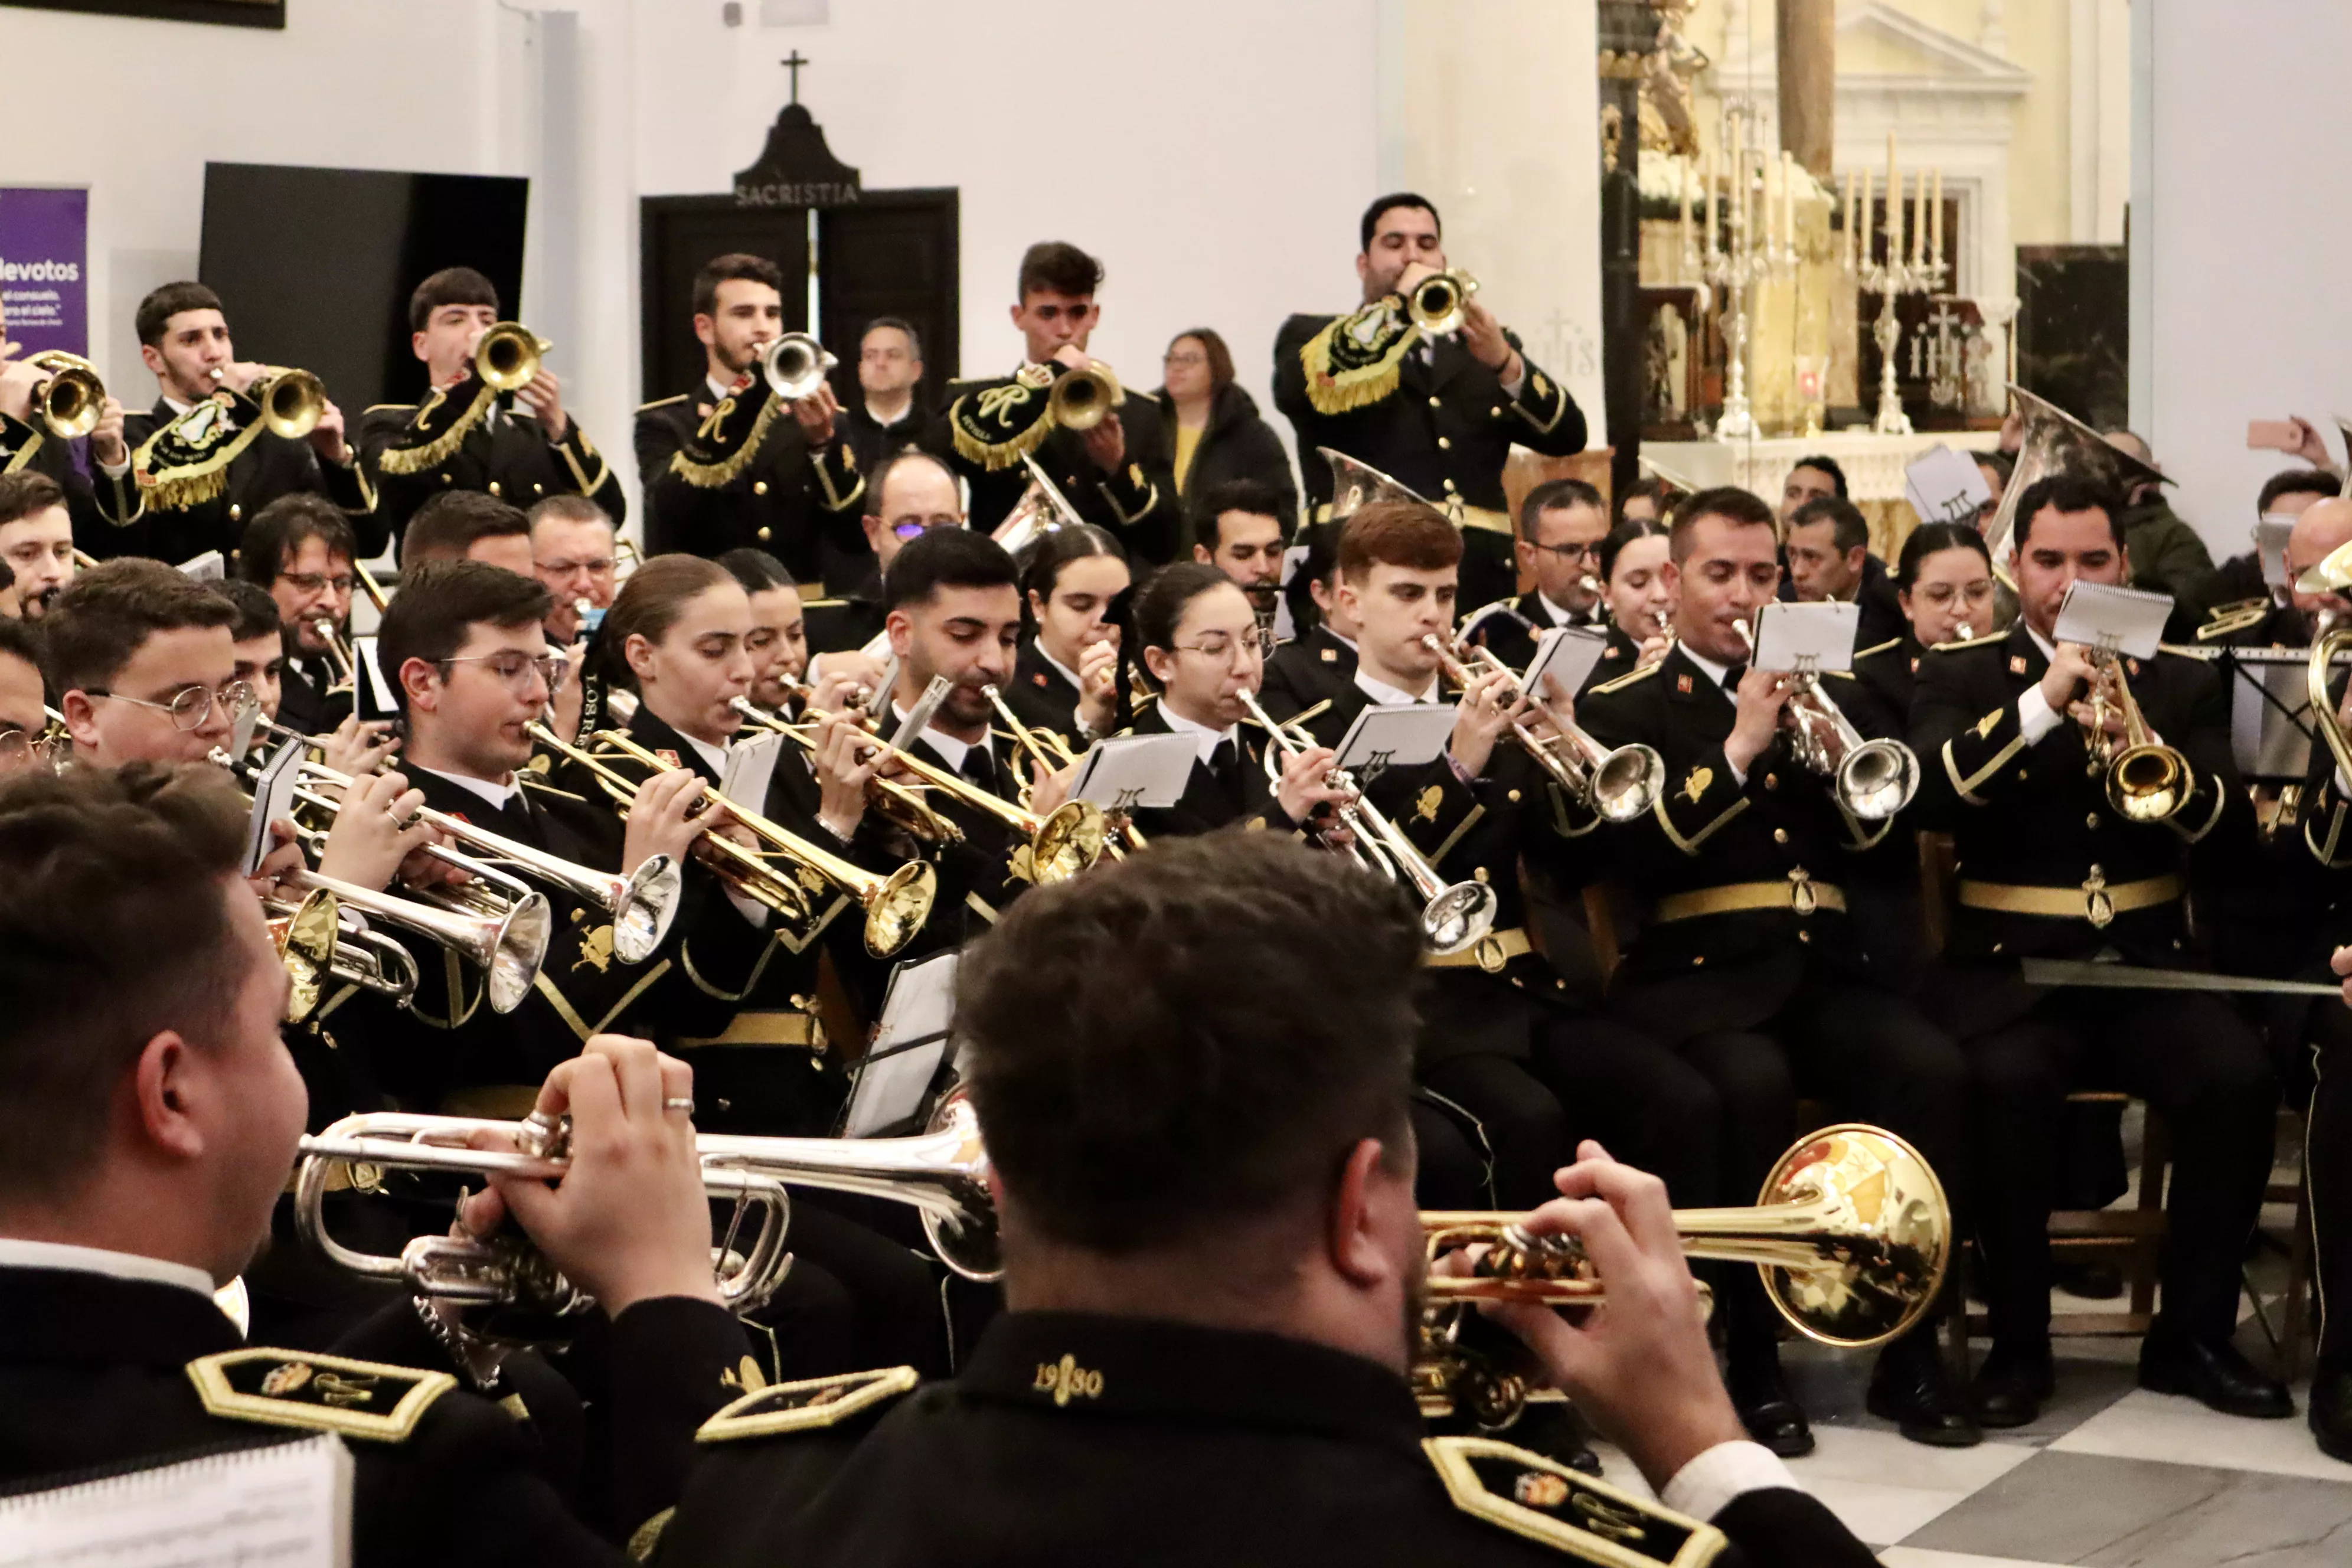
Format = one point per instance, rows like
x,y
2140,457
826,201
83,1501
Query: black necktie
x,y
1732,677
979,767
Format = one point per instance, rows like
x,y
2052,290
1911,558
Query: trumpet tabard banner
x,y
45,268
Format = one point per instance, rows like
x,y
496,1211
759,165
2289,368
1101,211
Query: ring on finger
x,y
679,1102
402,824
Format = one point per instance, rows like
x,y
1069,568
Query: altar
x,y
1873,465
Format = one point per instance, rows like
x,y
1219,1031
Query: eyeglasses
x,y
1220,646
15,747
916,527
1184,359
515,667
1567,551
1945,592
317,581
602,566
190,707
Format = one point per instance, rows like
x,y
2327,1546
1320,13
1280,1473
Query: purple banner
x,y
44,268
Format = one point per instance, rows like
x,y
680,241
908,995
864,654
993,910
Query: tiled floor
x,y
2110,1477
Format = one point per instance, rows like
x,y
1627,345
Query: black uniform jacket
x,y
1771,848
1077,1439
1244,795
180,500
1512,635
1317,668
733,473
1440,426
989,425
306,697
1042,697
102,1375
2038,815
28,447
453,440
873,441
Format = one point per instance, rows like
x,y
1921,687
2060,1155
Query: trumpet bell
x,y
1877,779
2144,782
1083,399
2055,442
507,356
794,366
899,911
1458,918
1628,783
516,948
1892,1231
1068,842
1439,304
1356,484
292,402
646,908
73,399
307,951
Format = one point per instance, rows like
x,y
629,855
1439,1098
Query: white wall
x,y
2239,310
1215,159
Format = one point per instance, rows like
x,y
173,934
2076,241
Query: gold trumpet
x,y
507,356
2147,780
1852,1233
1085,397
292,402
72,399
1056,754
1619,785
891,798
526,1296
1441,301
896,906
325,940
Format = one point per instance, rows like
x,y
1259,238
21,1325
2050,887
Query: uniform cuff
x,y
2035,718
1706,1485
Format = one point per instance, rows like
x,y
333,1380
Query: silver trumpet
x,y
1874,779
1619,785
507,947
941,1171
507,1271
354,954
793,366
1451,918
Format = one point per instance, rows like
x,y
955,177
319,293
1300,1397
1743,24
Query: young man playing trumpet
x,y
2054,868
148,1113
301,550
1562,525
466,434
202,463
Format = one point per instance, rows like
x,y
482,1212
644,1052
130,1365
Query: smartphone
x,y
2272,435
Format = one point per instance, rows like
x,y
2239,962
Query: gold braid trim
x,y
190,485
1339,375
714,476
976,415
442,448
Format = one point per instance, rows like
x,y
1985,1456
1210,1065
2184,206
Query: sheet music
x,y
907,1047
288,1505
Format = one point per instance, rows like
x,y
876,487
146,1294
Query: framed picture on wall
x,y
226,13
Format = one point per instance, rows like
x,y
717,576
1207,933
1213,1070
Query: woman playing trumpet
x,y
1639,603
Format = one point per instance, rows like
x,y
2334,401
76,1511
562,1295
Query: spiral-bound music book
x,y
286,1504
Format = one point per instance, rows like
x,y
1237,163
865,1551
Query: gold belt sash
x,y
1800,894
492,1101
1489,952
766,1028
2095,901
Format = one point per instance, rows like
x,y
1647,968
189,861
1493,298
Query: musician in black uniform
x,y
1115,474
300,549
1828,551
150,1114
37,542
729,464
1212,1261
520,447
1748,966
908,495
2050,868
202,462
1437,415
1242,528
1319,665
575,554
27,444
1635,595
1562,524
1067,679
889,413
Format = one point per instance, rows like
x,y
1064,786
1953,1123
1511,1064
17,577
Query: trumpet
x,y
1451,918
1057,756
292,402
72,399
892,799
793,366
338,654
1041,509
1874,779
2147,780
508,947
351,952
1440,303
1619,785
304,935
941,1171
506,1273
1852,1233
1085,397
642,904
508,355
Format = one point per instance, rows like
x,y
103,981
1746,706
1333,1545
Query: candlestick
x,y
1845,242
1710,201
1924,273
1863,254
1936,219
1894,204
1918,215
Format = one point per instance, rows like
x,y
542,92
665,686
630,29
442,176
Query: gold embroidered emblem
x,y
1426,807
343,1392
1604,1518
715,418
1135,475
1543,387
995,400
1695,785
1802,897
595,951
285,1380
746,1375
2097,906
1067,1380
1538,1489
1988,724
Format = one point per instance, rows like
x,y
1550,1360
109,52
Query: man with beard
x,y
35,538
1238,529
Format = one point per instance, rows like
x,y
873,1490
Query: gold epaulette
x,y
374,1400
1545,1502
2228,620
440,444
1880,647
664,402
806,1406
1357,359
1626,679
